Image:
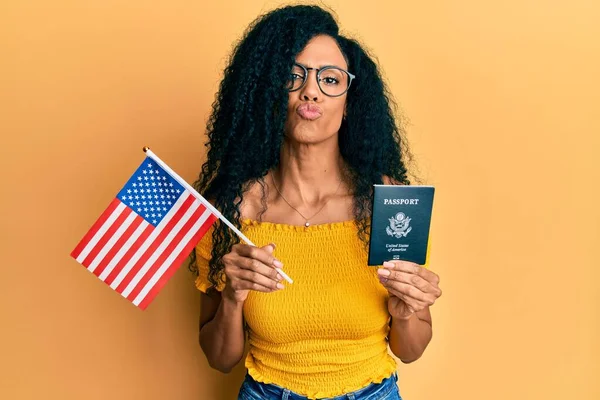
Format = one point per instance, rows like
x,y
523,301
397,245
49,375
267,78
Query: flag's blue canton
x,y
151,192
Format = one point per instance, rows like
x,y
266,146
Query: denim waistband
x,y
253,390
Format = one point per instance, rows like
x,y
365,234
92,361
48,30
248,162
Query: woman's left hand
x,y
412,288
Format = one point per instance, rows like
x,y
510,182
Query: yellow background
x,y
504,106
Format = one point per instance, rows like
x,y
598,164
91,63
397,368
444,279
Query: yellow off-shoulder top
x,y
325,334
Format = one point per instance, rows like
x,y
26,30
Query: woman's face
x,y
312,116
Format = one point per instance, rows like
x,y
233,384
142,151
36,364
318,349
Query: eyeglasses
x,y
332,81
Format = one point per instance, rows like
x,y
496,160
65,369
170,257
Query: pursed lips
x,y
309,111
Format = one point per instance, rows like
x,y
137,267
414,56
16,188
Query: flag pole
x,y
205,202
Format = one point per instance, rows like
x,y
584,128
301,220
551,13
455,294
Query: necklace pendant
x,y
307,224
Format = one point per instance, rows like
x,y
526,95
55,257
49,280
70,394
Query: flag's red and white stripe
x,y
135,258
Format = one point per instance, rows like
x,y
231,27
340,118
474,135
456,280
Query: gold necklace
x,y
307,223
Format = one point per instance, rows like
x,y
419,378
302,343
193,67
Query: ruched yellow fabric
x,y
325,334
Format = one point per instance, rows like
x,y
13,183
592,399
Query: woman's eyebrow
x,y
320,66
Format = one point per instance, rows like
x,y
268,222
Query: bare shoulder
x,y
252,203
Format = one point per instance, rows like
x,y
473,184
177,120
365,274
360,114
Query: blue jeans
x,y
252,390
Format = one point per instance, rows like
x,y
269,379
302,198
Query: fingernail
x,y
278,264
388,264
272,245
280,286
279,277
383,272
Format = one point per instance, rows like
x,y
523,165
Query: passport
x,y
400,223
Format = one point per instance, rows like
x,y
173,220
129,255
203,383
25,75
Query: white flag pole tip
x,y
284,275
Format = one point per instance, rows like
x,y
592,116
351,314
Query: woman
x,y
301,129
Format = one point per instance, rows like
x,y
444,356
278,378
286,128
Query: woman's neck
x,y
309,173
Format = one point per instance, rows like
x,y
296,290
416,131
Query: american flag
x,y
145,234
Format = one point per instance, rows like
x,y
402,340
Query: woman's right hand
x,y
250,268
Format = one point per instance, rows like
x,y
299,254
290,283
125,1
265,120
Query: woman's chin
x,y
308,136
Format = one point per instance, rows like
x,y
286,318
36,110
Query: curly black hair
x,y
244,141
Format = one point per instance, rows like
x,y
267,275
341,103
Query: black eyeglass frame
x,y
319,70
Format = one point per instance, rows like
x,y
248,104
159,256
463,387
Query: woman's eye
x,y
330,81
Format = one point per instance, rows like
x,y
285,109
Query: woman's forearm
x,y
409,338
222,339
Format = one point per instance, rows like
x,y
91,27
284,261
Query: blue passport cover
x,y
400,223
